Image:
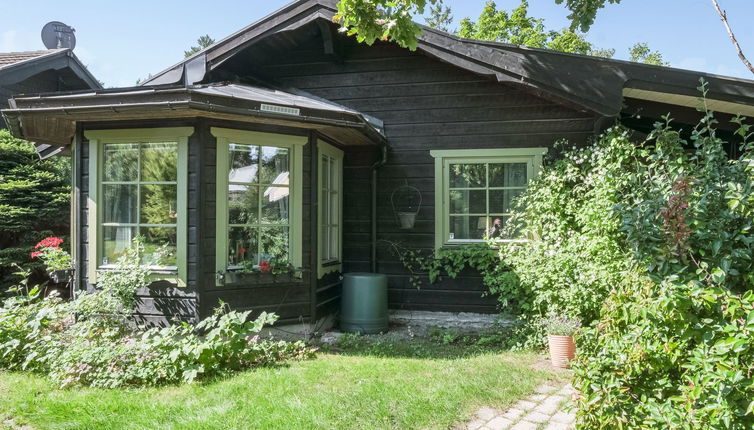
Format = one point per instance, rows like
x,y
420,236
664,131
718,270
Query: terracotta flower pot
x,y
562,350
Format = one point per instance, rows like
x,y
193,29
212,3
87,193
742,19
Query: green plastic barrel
x,y
364,303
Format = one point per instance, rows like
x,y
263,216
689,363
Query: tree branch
x,y
724,19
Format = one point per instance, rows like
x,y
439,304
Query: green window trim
x,y
443,158
294,144
334,156
97,140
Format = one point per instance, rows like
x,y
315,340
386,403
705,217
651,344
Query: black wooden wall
x,y
425,104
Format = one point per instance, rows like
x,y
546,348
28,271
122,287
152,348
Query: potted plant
x,y
58,262
560,332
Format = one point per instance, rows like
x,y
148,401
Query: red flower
x,y
242,250
49,242
36,254
264,266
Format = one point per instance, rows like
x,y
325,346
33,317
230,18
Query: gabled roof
x,y
595,83
17,66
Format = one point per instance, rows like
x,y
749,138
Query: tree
x,y
733,40
203,42
370,20
640,53
440,17
583,12
518,28
34,201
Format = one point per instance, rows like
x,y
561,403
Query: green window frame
x,y
330,208
480,160
138,139
253,139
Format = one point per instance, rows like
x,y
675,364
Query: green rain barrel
x,y
364,303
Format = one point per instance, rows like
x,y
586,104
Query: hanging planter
x,y
406,201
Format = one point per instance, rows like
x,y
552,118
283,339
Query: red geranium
x,y
264,266
48,242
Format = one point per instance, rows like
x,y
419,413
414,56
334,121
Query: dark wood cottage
x,y
285,143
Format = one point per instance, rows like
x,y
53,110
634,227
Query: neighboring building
x,y
34,72
287,140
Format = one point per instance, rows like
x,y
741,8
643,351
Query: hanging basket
x,y
406,211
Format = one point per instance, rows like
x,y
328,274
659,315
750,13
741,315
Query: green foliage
x,y
371,20
640,53
440,17
583,12
518,28
649,244
34,202
559,325
99,348
202,42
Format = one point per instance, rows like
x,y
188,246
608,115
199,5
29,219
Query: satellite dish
x,y
56,35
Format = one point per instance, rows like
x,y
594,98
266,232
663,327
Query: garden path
x,y
549,409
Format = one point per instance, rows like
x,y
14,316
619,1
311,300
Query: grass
x,y
365,383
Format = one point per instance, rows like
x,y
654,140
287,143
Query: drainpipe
x,y
379,163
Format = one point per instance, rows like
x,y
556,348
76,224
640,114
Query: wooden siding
x,y
425,104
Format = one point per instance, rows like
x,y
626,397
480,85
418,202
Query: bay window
x,y
475,191
330,218
137,187
258,199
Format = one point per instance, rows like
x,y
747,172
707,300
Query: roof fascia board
x,y
31,68
224,48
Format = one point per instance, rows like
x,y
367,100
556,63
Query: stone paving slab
x,y
548,409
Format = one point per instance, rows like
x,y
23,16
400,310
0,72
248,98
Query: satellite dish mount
x,y
56,35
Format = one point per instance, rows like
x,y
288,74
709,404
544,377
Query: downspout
x,y
379,163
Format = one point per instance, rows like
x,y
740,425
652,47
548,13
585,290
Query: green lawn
x,y
387,385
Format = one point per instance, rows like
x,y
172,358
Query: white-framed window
x,y
259,198
330,202
475,190
138,187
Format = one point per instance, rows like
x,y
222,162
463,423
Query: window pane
x,y
468,201
468,175
274,169
275,205
119,203
244,163
508,175
243,204
242,245
274,243
334,206
115,240
121,162
325,173
334,232
501,201
496,225
325,251
159,246
158,204
159,162
467,227
333,175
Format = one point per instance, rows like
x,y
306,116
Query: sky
x,y
122,41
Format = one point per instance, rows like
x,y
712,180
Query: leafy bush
x,y
673,347
653,242
558,325
100,348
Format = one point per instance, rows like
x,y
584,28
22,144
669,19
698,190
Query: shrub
x,y
672,348
101,349
652,243
34,202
